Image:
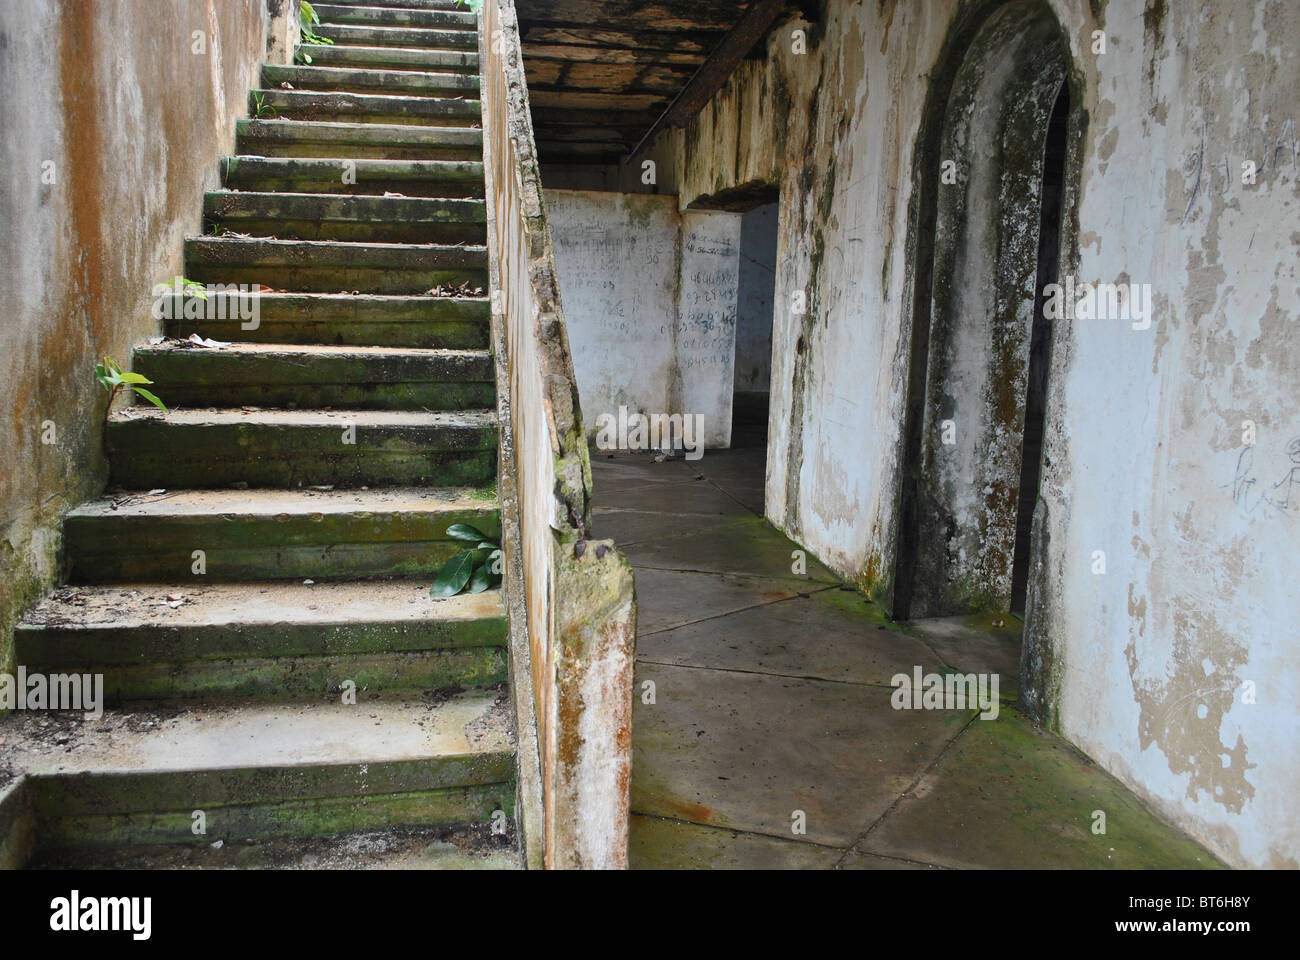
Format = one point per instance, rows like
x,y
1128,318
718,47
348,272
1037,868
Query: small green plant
x,y
473,570
261,108
195,289
475,6
308,18
113,378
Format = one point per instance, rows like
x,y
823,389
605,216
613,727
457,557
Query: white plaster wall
x,y
650,302
1144,430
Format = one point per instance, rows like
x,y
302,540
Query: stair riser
x,y
232,378
148,453
438,322
358,56
397,83
349,108
293,139
303,818
326,268
297,676
356,219
381,17
349,396
390,231
81,648
237,547
369,187
447,39
337,279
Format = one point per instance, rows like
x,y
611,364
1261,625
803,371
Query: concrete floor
x,y
772,695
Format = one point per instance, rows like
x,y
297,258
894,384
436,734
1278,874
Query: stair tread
x,y
250,734
308,350
302,129
287,206
303,73
273,244
254,164
271,417
272,502
127,605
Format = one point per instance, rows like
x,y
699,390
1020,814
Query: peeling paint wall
x,y
113,124
650,299
1148,666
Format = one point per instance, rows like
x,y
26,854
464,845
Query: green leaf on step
x,y
150,397
463,531
135,378
481,580
453,576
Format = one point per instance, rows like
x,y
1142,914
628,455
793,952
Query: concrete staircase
x,y
270,541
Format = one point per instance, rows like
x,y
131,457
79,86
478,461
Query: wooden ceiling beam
x,y
709,78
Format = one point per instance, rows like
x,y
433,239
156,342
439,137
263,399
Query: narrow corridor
x,y
771,695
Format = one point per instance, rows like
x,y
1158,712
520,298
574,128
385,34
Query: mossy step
x,y
444,847
409,83
396,58
329,318
264,639
356,142
332,267
446,179
365,107
269,534
266,769
325,216
383,378
382,16
372,36
290,448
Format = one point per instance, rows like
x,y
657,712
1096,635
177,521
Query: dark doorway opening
x,y
1040,344
754,311
992,175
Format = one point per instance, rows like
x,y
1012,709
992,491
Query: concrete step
x,y
448,179
407,83
265,639
375,36
332,266
291,448
448,847
458,323
365,108
269,534
328,216
261,770
305,377
360,55
385,16
357,141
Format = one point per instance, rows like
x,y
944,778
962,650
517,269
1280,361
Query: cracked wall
x,y
113,125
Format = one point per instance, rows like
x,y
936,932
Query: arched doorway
x,y
994,180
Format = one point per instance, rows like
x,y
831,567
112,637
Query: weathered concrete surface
x,y
650,299
1146,666
571,600
462,847
113,126
764,704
